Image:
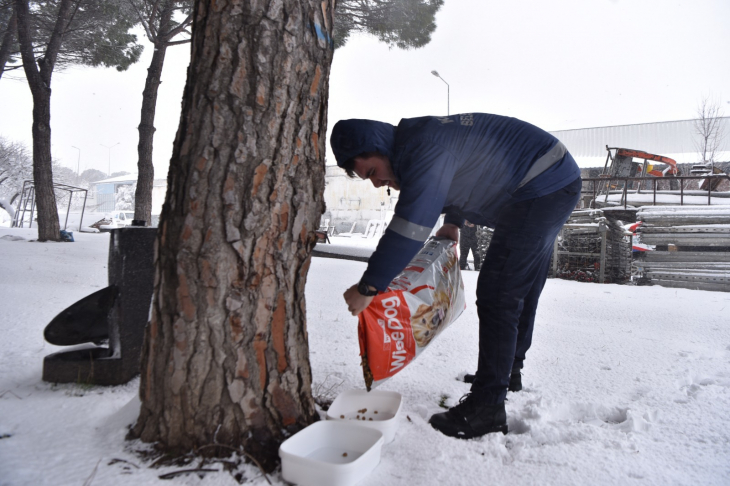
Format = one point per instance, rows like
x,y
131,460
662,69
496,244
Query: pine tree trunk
x,y
39,81
146,175
49,228
226,358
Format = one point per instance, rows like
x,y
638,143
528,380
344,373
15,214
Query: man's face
x,y
377,169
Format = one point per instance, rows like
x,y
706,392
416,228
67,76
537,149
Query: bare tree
x,y
709,128
16,165
158,17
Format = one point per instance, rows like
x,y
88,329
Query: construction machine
x,y
623,162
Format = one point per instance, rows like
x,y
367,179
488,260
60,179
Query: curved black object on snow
x,y
86,321
123,311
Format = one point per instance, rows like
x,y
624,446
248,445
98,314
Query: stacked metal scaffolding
x,y
592,248
692,247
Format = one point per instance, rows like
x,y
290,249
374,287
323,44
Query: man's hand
x,y
450,231
356,302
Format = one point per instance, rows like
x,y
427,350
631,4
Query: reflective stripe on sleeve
x,y
410,230
543,163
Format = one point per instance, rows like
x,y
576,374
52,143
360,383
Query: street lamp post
x,y
448,108
78,162
110,155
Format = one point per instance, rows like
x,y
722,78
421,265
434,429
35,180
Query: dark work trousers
x,y
468,241
512,277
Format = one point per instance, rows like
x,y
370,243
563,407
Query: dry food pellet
x,y
375,411
342,416
370,419
344,454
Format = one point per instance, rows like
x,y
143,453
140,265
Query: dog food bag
x,y
419,303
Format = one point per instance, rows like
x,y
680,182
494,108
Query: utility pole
x,y
448,108
109,173
78,163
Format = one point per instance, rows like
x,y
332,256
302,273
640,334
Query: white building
x,y
674,139
102,196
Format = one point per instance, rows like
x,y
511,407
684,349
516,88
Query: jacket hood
x,y
351,138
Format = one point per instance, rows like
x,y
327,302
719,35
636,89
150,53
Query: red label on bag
x,y
388,324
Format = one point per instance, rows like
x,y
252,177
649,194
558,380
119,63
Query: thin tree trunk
x,y
146,176
161,37
7,42
39,81
45,197
226,358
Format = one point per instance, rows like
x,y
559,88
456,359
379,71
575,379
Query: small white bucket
x,y
375,409
330,454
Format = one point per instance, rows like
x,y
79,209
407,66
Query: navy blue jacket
x,y
467,166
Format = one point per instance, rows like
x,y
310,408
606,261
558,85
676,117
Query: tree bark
x,y
7,42
145,167
39,81
226,359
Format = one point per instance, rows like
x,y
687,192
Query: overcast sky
x,y
559,64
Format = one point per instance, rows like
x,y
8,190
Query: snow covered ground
x,y
623,385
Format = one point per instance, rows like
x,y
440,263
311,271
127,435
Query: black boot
x,y
515,380
470,419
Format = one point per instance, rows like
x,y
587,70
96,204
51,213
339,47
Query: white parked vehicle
x,y
122,218
119,219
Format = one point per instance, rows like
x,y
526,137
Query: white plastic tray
x,y
375,409
330,454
